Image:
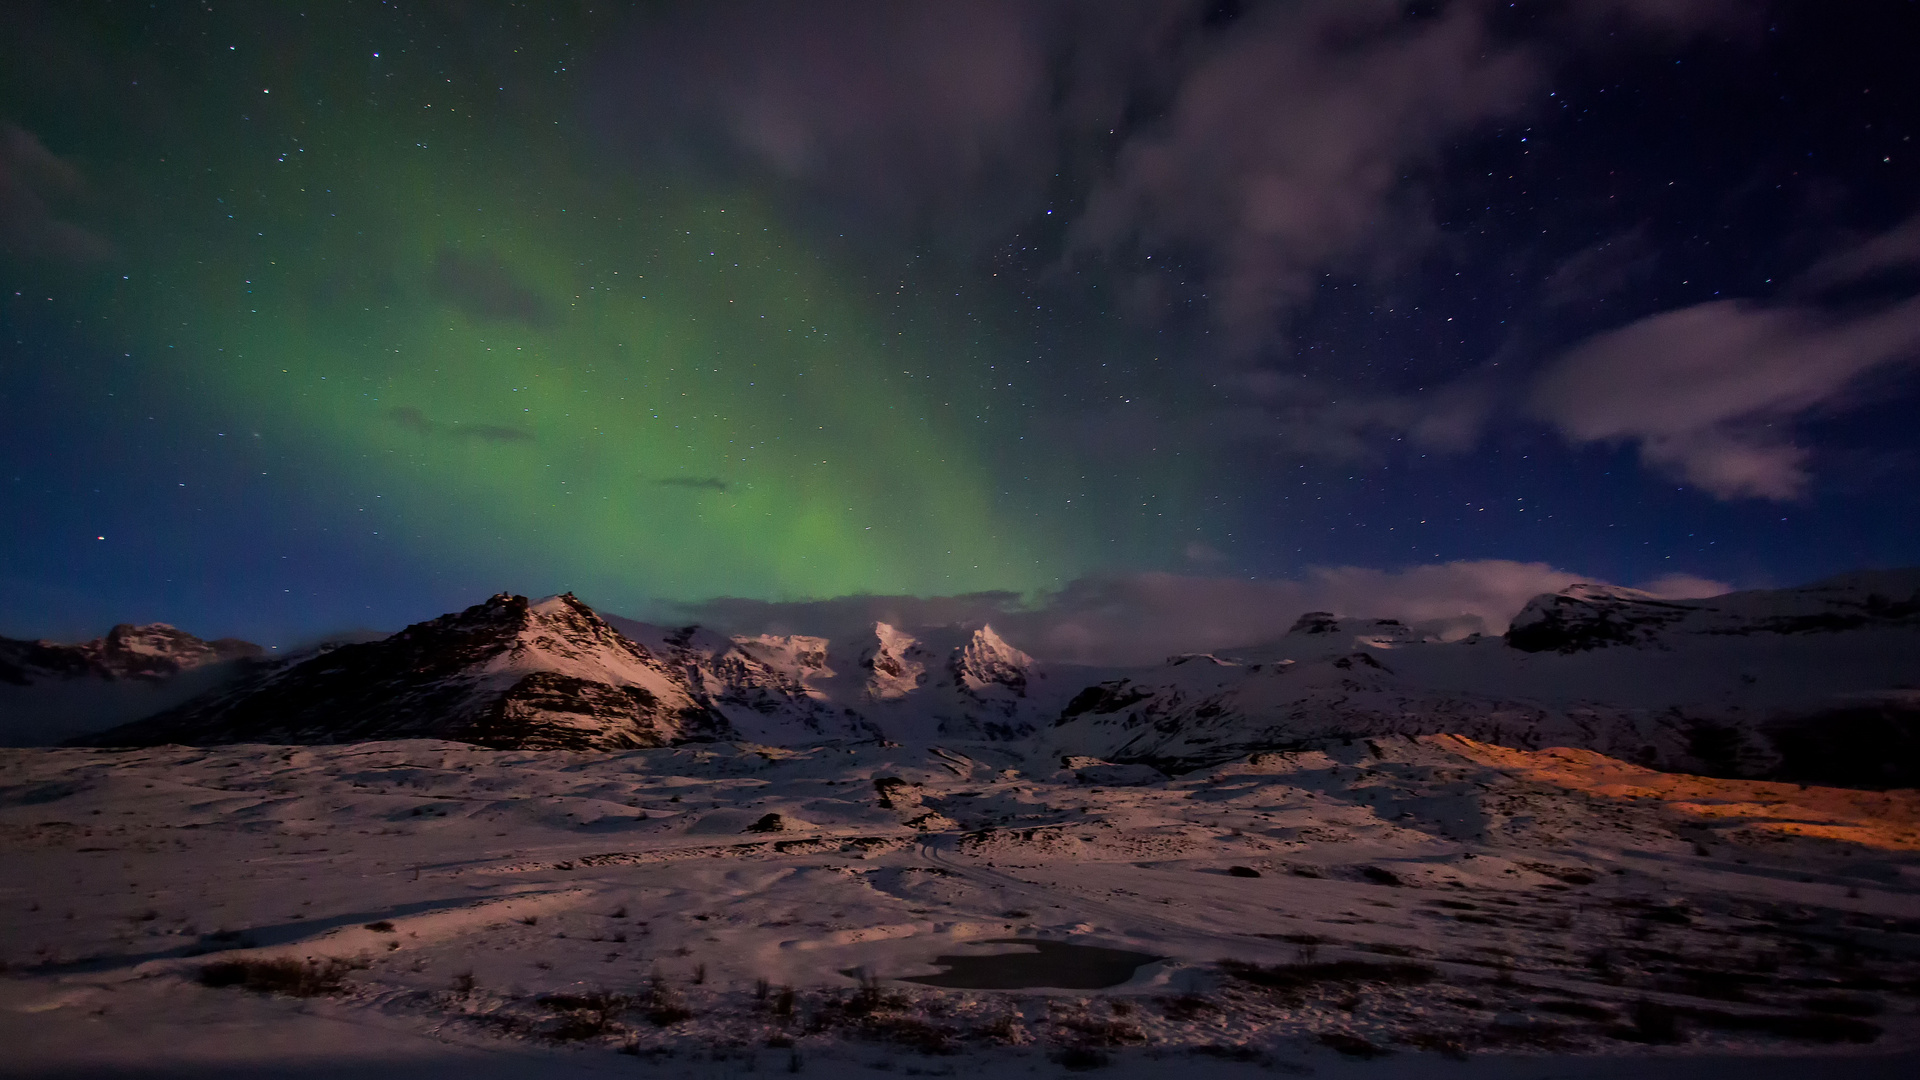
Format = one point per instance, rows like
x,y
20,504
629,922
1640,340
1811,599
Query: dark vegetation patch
x,y
1824,748
1187,1007
1581,1010
293,978
1293,981
663,1006
1352,1045
1224,1052
1081,1059
1838,1005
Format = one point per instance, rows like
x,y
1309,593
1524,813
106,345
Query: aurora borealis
x,y
348,315
655,388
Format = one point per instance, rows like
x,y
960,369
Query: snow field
x,y
1432,897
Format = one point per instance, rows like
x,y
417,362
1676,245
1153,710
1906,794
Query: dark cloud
x,y
482,286
416,421
1287,148
32,179
498,433
1214,163
695,483
413,420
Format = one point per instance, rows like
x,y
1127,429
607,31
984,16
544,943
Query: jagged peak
x,y
1591,591
988,661
1315,622
892,638
562,602
897,670
986,642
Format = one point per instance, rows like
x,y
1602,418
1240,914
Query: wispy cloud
x,y
1710,393
481,285
32,180
416,421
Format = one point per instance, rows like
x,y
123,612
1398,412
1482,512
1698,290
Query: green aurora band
x,y
533,353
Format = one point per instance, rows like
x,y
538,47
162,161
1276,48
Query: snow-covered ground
x,y
503,913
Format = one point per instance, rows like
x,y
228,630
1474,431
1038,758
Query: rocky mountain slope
x,y
506,673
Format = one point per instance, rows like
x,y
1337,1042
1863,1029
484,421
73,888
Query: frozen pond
x,y
1054,964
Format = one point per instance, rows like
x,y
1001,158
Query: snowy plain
x,y
1391,907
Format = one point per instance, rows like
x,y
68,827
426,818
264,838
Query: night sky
x,y
345,314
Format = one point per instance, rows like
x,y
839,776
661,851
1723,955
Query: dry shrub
x,y
664,1007
909,1031
1005,1028
1187,1007
294,978
1094,1032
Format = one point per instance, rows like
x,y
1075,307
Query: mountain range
x,y
1819,683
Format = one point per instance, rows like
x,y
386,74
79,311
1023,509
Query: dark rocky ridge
x,y
501,674
152,651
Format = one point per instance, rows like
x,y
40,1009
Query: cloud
x,y
31,179
1140,618
1143,618
1251,148
1321,419
1266,140
1675,17
1709,392
1685,587
902,113
416,421
1283,151
482,286
1896,249
845,618
696,483
1602,270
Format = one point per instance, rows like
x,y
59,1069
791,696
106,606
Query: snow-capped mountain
x,y
1789,683
952,683
1820,682
151,652
766,688
50,691
1587,617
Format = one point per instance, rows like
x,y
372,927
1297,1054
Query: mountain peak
x,y
505,673
145,651
987,662
897,662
